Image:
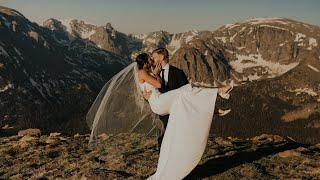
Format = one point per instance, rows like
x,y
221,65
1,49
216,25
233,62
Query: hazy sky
x,y
138,16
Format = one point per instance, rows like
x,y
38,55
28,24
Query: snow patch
x,y
312,43
82,32
250,31
274,27
8,86
7,127
253,77
191,36
240,48
76,72
139,36
67,24
46,86
8,24
242,29
232,38
305,91
267,20
223,39
17,51
313,68
174,45
202,84
230,26
86,34
255,60
299,37
229,51
37,86
3,52
149,40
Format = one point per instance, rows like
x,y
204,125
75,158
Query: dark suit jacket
x,y
176,79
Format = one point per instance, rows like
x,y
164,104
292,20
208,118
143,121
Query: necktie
x,y
163,83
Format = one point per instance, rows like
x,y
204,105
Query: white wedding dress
x,y
191,111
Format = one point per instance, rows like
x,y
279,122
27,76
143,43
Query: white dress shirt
x,y
166,73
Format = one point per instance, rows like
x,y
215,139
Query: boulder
x,y
30,132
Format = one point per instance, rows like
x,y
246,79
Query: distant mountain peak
x,y
46,71
52,24
109,26
259,20
10,12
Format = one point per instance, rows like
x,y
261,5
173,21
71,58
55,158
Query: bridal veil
x,y
121,108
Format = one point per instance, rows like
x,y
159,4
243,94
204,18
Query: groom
x,y
171,78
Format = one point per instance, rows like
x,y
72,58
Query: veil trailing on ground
x,y
121,108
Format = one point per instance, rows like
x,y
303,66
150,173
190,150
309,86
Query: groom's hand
x,y
157,68
146,94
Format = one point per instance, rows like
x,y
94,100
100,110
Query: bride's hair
x,y
142,59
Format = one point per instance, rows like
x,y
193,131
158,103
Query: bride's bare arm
x,y
154,81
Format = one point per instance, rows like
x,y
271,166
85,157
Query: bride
x,y
120,107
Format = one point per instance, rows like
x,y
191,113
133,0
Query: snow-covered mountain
x,y
46,79
108,38
45,71
276,64
258,48
103,37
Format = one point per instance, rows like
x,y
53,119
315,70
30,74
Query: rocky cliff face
x,y
109,39
44,75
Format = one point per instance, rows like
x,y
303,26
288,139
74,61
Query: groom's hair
x,y
162,51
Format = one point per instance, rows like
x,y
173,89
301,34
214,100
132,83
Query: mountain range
x,y
51,73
